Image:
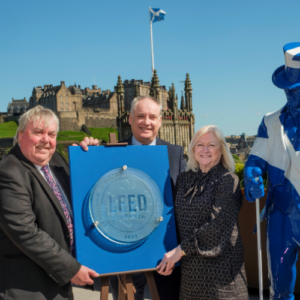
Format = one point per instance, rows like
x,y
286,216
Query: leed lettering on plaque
x,y
125,206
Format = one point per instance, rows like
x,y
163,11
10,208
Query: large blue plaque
x,y
126,206
123,207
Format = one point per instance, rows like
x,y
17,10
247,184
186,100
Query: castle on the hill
x,y
95,108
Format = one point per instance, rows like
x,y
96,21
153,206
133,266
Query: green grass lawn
x,y
8,129
71,133
98,133
103,133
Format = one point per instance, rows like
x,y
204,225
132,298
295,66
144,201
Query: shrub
x,y
239,171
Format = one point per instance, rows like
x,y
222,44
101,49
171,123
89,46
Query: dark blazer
x,y
176,160
35,259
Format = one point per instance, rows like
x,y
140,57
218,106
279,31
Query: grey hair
x,y
140,98
226,158
35,115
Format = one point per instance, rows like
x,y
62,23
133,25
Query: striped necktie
x,y
60,198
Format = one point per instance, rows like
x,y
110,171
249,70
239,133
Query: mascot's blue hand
x,y
253,183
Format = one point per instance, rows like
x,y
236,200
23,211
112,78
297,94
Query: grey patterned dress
x,y
206,210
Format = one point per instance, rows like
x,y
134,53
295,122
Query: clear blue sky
x,y
230,48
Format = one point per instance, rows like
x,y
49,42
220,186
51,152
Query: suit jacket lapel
x,y
158,141
18,153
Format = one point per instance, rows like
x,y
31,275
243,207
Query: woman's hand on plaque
x,y
169,260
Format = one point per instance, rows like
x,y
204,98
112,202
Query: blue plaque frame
x,y
85,170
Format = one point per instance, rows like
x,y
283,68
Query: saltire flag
x,y
156,14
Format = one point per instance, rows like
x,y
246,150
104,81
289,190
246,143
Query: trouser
x,y
138,280
167,286
283,244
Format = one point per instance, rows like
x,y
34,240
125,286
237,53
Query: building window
x,y
61,97
67,104
61,104
62,109
67,109
66,96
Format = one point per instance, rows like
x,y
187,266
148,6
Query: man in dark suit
x,y
145,119
36,228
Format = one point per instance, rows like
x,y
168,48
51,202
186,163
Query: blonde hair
x,y
226,157
35,115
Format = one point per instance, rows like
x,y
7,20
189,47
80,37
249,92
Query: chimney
x,y
24,98
13,99
62,83
94,87
79,86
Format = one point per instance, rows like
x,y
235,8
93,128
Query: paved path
x,y
83,294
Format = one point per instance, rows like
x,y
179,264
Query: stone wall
x,y
11,118
74,120
101,121
68,121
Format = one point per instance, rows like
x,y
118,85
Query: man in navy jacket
x,y
145,120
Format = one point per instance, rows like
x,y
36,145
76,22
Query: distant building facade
x,y
17,107
105,108
240,141
57,98
241,145
244,153
246,141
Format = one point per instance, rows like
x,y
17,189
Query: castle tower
x,y
137,90
120,96
188,93
174,103
182,106
155,87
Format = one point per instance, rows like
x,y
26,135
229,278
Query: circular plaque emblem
x,y
126,206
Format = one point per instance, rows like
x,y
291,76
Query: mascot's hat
x,y
288,77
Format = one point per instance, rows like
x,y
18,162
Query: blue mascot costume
x,y
276,151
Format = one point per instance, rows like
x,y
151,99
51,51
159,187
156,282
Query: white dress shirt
x,y
135,142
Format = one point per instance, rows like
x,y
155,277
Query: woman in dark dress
x,y
207,203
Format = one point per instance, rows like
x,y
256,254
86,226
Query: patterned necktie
x,y
57,193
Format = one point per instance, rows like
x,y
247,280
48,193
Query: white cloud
x,y
258,113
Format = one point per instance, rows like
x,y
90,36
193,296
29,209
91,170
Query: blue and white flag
x,y
156,14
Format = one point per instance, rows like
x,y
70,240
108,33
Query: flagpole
x,y
151,38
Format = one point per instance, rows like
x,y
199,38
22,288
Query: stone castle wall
x,y
74,120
